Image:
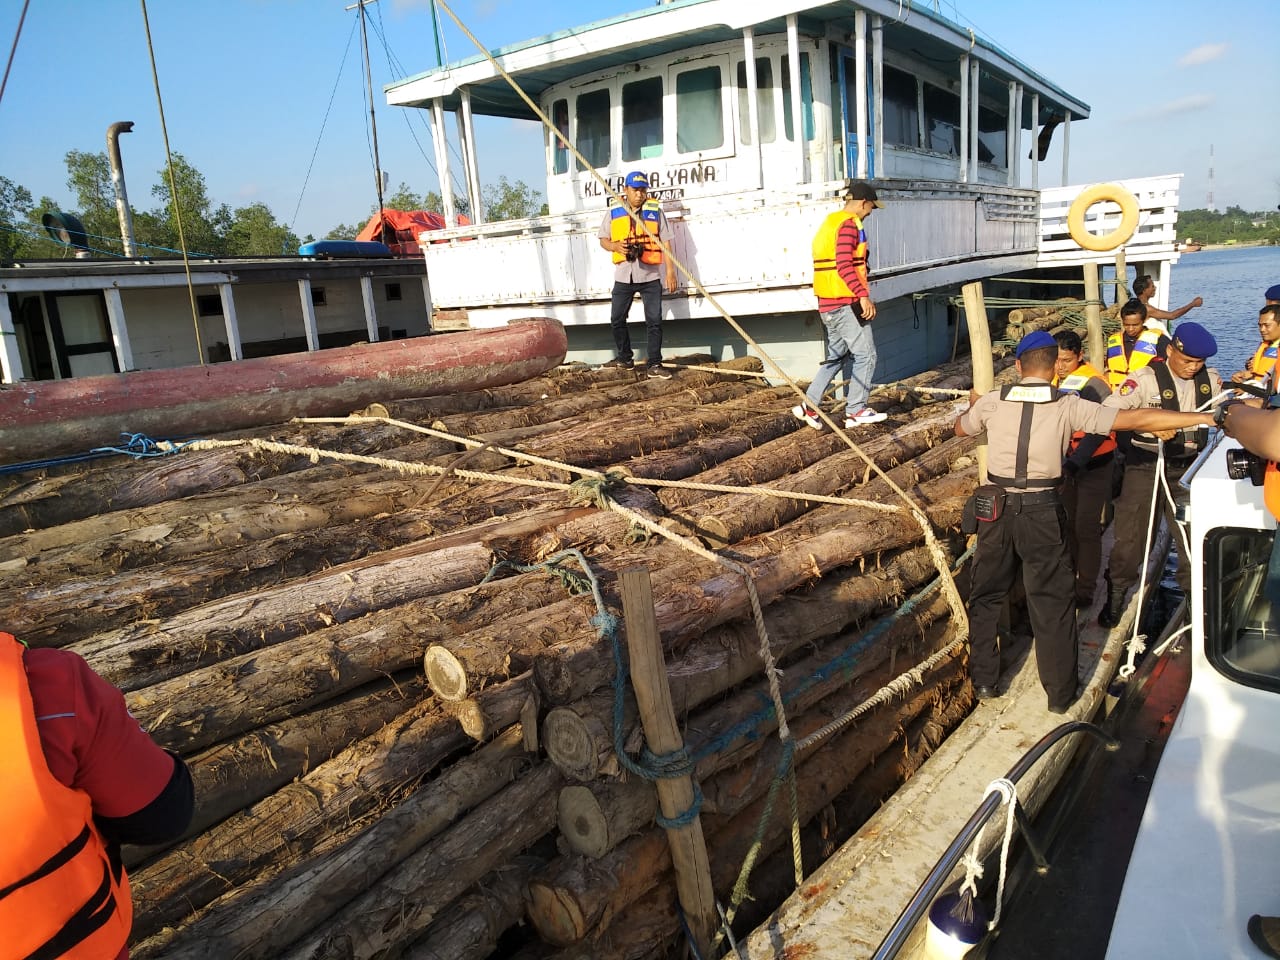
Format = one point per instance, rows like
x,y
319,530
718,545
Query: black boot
x,y
1109,615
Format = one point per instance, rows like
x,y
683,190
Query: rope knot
x,y
595,491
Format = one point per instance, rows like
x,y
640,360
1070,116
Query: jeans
x,y
651,300
851,350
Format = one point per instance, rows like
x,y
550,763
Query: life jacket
x,y
1175,449
1120,367
1264,359
1073,384
623,226
827,282
59,897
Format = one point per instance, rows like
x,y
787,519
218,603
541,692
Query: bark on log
x,y
476,921
227,698
370,774
237,774
400,906
257,920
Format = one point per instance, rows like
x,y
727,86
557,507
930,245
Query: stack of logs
x,y
1058,315
269,617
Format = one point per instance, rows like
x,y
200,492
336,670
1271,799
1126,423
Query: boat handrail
x,y
1215,438
896,938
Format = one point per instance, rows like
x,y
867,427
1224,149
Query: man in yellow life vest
x,y
1259,366
1086,468
845,305
1133,346
628,232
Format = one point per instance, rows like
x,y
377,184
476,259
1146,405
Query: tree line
x,y
209,228
1233,225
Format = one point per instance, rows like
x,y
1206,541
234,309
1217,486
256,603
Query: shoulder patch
x,y
1127,387
1167,394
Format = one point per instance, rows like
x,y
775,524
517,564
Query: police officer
x,y
1020,515
1086,487
1182,382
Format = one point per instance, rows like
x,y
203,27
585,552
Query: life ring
x,y
1099,192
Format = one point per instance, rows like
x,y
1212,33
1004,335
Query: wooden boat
x,y
52,417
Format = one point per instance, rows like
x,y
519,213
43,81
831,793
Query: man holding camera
x,y
1181,382
628,232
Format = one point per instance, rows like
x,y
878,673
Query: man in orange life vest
x,y
1259,366
80,778
844,302
1086,469
638,266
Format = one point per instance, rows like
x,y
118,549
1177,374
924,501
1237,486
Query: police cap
x,y
1034,341
1273,292
1194,341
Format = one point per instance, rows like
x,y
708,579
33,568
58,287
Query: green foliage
x,y
505,200
89,180
254,230
1234,225
15,216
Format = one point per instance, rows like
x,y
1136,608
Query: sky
x,y
265,97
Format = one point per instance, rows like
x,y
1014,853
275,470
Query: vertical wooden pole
x,y
1093,317
658,716
1122,277
975,311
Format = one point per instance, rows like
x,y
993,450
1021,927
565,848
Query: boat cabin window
x,y
592,139
941,120
699,110
901,108
992,137
764,101
209,305
559,152
1242,626
642,119
806,97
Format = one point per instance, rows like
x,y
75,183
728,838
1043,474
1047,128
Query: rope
x,y
1008,792
14,49
173,188
140,446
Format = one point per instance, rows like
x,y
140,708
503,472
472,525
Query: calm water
x,y
1232,283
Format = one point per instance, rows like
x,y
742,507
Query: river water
x,y
1231,281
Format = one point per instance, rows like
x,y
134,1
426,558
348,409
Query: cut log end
x,y
557,918
572,744
713,532
582,823
446,675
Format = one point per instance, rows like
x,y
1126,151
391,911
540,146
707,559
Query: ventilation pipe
x,y
117,183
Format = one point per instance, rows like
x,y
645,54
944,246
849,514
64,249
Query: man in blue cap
x,y
628,232
1182,382
1019,515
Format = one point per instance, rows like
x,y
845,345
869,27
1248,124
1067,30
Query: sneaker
x,y
865,415
802,411
617,363
656,372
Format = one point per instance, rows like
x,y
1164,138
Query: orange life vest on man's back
x,y
58,895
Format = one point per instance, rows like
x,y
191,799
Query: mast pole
x,y
373,120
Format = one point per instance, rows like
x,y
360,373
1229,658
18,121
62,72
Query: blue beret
x,y
1034,341
1273,292
1194,340
637,179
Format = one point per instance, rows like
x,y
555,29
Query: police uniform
x,y
1086,488
1028,427
1153,386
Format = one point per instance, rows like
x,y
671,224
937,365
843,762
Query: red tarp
x,y
403,227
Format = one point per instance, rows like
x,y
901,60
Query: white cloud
x,y
1190,104
1204,53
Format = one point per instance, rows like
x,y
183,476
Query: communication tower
x,y
1208,202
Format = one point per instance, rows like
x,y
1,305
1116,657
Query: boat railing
x,y
915,910
1154,239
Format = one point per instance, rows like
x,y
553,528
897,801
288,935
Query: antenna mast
x,y
1209,199
368,80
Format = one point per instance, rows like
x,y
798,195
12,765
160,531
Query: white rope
x,y
1136,642
972,859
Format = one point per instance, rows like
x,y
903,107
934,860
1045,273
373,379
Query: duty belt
x,y
1016,498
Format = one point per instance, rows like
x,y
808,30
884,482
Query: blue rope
x,y
140,446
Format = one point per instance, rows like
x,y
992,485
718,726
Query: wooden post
x,y
975,310
1093,317
1122,277
658,716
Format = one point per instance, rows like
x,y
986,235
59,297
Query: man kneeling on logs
x,y
1020,517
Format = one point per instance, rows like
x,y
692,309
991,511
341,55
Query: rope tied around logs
x,y
140,446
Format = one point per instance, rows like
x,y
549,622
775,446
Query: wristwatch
x,y
1220,414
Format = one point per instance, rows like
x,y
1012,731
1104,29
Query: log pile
x,y
397,757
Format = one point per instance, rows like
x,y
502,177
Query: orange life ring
x,y
1098,193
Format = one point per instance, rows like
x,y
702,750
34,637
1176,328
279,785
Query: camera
x,y
1242,464
634,246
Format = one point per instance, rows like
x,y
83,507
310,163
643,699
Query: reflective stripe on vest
x,y
1077,381
827,282
623,226
58,897
1120,367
